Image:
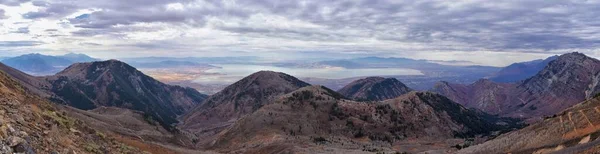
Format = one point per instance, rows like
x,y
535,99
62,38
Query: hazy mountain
x,y
78,58
573,130
521,71
38,64
114,83
30,124
312,116
569,79
239,99
374,89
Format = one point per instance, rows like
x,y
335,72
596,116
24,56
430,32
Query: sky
x,y
494,33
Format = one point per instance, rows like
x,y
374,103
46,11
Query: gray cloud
x,y
13,2
19,43
3,14
23,30
441,25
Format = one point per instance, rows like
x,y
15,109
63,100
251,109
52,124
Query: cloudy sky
x,y
485,32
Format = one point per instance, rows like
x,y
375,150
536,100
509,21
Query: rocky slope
x,y
29,124
374,89
114,83
315,119
520,71
569,79
239,99
574,130
484,94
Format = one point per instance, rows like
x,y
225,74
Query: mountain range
x,y
38,64
565,81
122,110
520,71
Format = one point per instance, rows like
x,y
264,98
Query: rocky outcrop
x,y
569,79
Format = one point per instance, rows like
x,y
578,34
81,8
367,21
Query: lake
x,y
229,73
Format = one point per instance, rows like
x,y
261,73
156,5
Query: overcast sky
x,y
485,32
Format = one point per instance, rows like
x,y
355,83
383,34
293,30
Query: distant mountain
x,y
521,71
569,79
573,130
239,99
432,71
374,89
30,124
78,58
314,116
38,64
114,83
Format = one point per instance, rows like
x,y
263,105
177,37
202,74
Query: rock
x,y
71,152
10,129
24,148
5,149
18,118
54,152
14,141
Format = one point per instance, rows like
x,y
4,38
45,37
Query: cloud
x,y
13,2
388,27
19,43
22,30
3,14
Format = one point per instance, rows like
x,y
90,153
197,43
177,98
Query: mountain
x,y
569,79
114,83
29,124
78,58
521,71
310,117
374,89
32,83
38,64
484,94
574,130
239,99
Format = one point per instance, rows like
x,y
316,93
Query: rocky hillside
x,y
315,119
575,130
239,99
114,83
569,79
29,124
374,89
520,71
484,94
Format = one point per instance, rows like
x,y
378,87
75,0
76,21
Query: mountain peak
x,y
242,98
374,89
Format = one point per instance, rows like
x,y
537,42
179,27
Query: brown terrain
x,y
574,130
112,83
569,79
315,119
239,99
374,89
29,124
